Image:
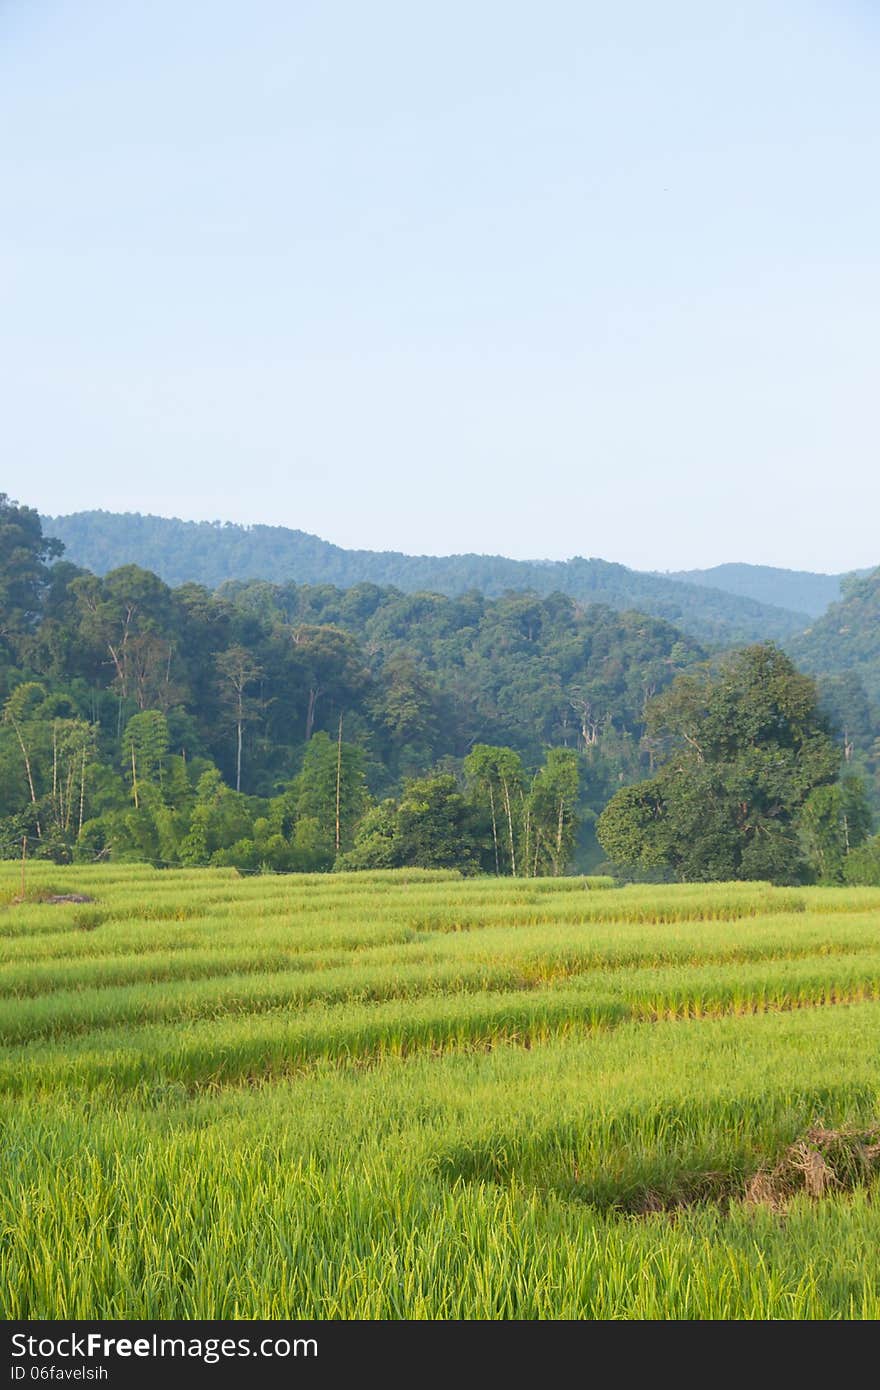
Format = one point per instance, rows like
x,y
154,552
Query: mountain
x,y
799,590
211,553
846,640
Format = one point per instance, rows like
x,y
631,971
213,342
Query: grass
x,y
411,1095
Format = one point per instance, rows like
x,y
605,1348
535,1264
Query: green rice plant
x,y
415,1095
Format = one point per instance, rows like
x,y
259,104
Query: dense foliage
x,y
846,640
302,727
748,780
295,726
210,553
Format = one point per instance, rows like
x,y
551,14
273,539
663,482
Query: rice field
x,y
408,1095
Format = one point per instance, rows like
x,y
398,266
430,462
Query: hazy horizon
x,y
481,280
442,554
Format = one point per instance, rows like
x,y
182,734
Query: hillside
x,y
846,640
799,590
210,553
131,709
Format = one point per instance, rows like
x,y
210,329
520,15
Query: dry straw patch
x,y
822,1162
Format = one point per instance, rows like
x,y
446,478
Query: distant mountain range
x,y
846,640
799,591
723,606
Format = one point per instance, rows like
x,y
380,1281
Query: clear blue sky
x,y
539,279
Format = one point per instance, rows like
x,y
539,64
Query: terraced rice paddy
x,y
407,1095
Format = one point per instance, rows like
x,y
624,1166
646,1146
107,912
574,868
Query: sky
x,y
543,280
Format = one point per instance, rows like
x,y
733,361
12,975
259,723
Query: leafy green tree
x,y
746,746
55,752
331,790
862,865
332,668
219,818
834,821
239,672
25,555
497,775
145,748
376,842
19,714
125,625
436,826
552,812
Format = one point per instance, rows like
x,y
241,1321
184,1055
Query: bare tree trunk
x,y
82,791
71,773
509,825
238,754
27,764
338,780
55,772
527,833
494,830
559,838
310,716
134,777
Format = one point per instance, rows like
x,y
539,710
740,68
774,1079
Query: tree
x,y
376,842
746,745
19,712
124,622
219,819
435,826
331,665
405,706
238,672
116,690
57,753
552,801
862,866
145,747
834,822
25,556
497,773
331,790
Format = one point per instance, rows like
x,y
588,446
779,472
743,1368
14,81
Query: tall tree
x,y
834,821
498,774
553,799
25,555
238,673
331,790
145,747
332,667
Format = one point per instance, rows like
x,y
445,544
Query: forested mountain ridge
x,y
210,553
845,641
797,590
184,725
302,727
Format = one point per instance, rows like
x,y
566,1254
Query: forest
x,y
845,641
309,726
211,553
